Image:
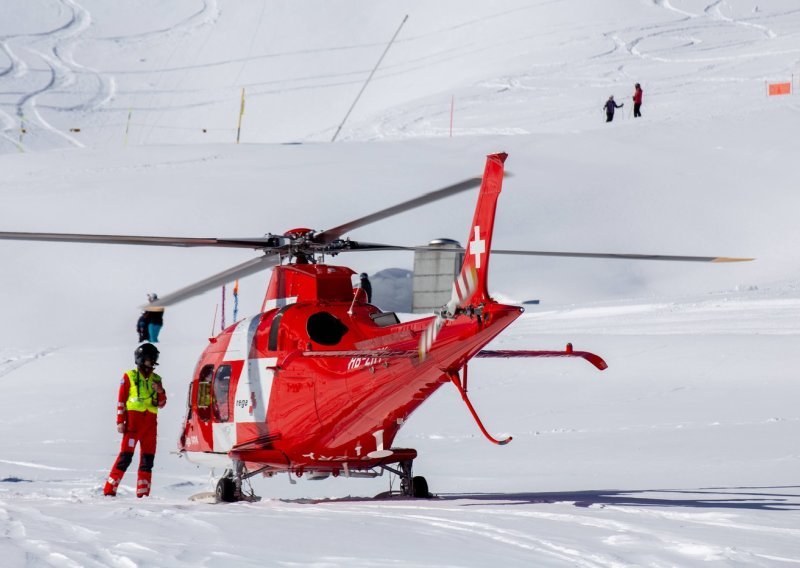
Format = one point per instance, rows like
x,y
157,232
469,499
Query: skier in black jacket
x,y
610,105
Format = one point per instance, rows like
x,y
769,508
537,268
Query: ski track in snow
x,y
64,75
11,361
668,5
702,24
54,49
86,547
16,68
532,525
716,8
35,465
207,15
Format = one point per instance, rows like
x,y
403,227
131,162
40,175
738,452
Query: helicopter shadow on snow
x,y
768,498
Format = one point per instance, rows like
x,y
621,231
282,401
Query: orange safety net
x,y
780,89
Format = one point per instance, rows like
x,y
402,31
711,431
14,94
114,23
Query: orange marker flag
x,y
779,89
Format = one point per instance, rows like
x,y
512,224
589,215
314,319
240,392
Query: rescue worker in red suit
x,y
141,394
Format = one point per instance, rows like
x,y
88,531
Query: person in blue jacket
x,y
154,317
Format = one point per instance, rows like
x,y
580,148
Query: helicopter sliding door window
x,y
222,387
203,395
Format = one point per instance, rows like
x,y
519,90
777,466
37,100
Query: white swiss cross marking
x,y
477,247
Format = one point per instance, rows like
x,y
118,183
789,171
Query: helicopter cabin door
x,y
223,427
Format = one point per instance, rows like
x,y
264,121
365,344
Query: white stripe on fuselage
x,y
279,303
253,390
242,339
254,386
224,436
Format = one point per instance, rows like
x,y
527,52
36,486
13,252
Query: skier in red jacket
x,y
140,396
637,100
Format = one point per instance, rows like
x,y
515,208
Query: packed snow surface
x,y
122,118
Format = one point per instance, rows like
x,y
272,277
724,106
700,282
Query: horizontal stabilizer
x,y
595,360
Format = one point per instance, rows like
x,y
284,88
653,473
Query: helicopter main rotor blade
x,y
624,256
257,243
239,271
356,246
331,235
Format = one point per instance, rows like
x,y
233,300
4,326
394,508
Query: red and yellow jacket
x,y
138,393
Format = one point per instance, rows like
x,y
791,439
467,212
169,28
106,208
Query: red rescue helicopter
x,y
320,381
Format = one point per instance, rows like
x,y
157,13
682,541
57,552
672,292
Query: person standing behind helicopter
x,y
366,285
141,394
610,106
154,318
141,327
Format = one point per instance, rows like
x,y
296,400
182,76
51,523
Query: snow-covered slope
x,y
683,452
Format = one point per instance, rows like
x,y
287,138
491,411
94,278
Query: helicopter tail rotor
x,y
464,288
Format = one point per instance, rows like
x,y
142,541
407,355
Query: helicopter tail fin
x,y
470,286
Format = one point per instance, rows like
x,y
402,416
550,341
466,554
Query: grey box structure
x,y
434,273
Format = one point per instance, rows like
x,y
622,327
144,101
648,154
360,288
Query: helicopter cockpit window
x,y
203,397
222,385
384,319
325,328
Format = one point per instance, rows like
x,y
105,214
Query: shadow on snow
x,y
774,498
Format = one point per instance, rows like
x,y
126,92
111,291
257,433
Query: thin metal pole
x,y
22,131
368,79
214,322
128,126
452,106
